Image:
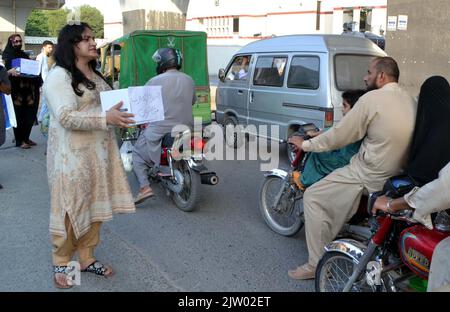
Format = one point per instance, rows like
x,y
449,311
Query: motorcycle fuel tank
x,y
416,245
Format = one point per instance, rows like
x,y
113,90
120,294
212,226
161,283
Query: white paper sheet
x,y
111,98
144,102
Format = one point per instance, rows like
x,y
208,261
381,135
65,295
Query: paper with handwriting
x,y
144,102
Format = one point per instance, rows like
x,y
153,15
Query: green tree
x,y
56,20
94,18
48,23
37,24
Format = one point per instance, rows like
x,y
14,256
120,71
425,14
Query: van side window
x,y
239,69
304,72
350,70
269,71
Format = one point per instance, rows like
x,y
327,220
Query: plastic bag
x,y
10,115
126,151
44,110
44,124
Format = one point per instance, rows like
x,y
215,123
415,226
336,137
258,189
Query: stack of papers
x,y
144,102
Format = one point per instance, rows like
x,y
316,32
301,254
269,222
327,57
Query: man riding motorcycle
x,y
178,95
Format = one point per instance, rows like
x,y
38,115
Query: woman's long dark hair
x,y
65,57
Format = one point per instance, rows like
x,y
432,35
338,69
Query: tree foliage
x,y
37,25
94,18
56,20
48,23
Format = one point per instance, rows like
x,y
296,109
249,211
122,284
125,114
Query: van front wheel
x,y
232,132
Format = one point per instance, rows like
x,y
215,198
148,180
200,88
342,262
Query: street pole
x,y
14,15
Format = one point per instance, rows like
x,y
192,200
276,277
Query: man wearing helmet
x,y
178,95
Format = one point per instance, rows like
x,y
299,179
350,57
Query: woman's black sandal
x,y
98,268
60,269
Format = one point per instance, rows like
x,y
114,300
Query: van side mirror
x,y
222,74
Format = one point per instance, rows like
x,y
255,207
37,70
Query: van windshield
x,y
350,70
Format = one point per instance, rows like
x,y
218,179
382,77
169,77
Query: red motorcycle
x,y
396,257
281,198
181,172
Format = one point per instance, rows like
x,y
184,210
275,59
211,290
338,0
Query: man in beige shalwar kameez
x,y
384,118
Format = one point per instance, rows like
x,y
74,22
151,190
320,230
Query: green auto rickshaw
x,y
127,61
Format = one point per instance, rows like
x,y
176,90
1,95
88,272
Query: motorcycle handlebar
x,y
404,215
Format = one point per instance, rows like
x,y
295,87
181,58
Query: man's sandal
x,y
60,269
99,268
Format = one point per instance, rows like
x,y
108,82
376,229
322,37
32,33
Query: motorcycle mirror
x,y
222,74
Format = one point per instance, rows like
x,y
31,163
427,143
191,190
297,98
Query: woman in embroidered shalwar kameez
x,y
86,177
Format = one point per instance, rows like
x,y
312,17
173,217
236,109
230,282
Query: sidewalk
x,y
25,258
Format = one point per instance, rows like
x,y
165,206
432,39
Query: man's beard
x,y
371,87
17,48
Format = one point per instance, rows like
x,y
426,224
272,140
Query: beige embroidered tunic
x,y
85,173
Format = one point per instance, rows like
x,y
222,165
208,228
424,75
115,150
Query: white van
x,y
292,80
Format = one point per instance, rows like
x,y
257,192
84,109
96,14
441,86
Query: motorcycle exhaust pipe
x,y
209,178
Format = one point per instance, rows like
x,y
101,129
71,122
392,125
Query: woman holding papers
x,y
25,92
85,173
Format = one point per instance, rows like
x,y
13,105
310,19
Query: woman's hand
x,y
13,72
117,118
297,141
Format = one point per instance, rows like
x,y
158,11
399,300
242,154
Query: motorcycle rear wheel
x,y
335,269
188,197
287,218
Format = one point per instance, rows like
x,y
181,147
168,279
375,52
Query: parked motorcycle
x,y
396,257
181,170
280,196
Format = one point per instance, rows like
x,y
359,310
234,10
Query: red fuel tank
x,y
416,245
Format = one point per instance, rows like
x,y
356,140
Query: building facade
x,y
240,22
419,39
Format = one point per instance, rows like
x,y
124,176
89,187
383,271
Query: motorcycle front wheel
x,y
335,269
187,198
286,218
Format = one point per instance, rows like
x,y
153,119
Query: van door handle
x,y
251,97
241,91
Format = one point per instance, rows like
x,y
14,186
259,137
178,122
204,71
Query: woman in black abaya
x,y
25,93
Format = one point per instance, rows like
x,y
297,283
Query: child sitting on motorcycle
x,y
319,165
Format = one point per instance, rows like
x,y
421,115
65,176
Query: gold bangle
x,y
388,205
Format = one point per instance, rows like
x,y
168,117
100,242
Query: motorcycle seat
x,y
167,140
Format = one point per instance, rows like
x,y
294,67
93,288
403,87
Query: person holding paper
x,y
86,178
5,87
178,95
25,93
